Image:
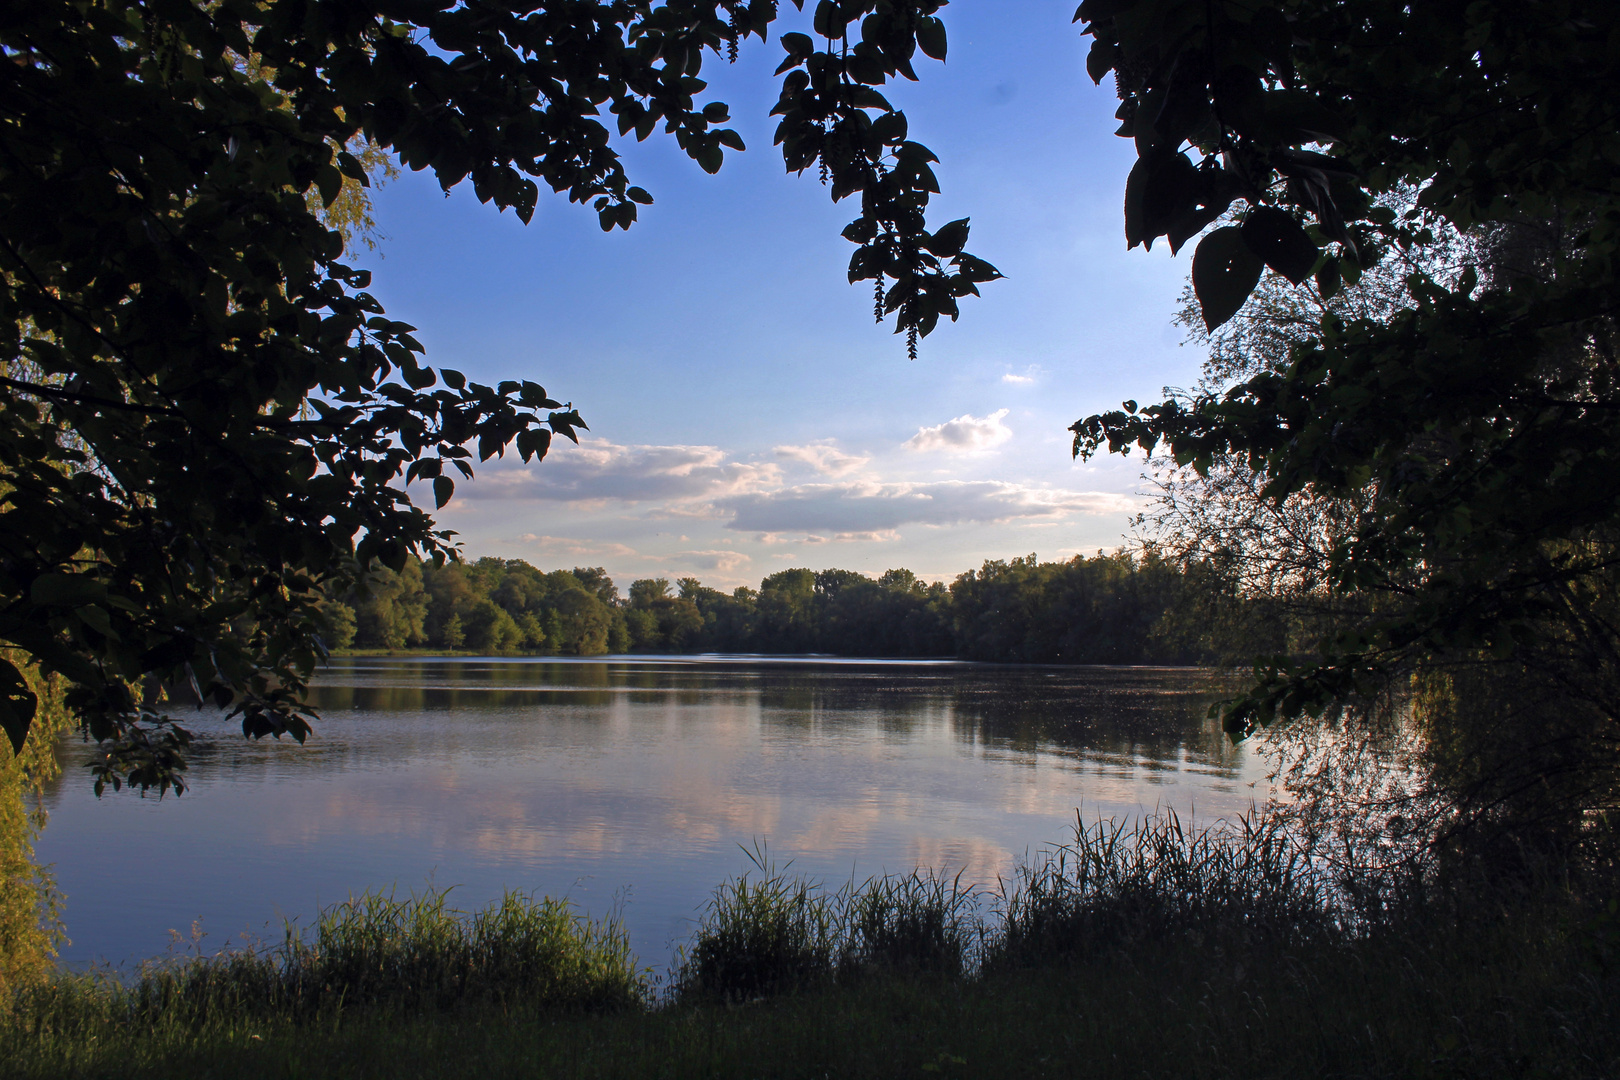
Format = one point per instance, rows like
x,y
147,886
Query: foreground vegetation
x,y
1422,468
29,902
1150,951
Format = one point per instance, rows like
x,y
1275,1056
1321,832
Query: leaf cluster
x,y
835,117
1477,417
208,424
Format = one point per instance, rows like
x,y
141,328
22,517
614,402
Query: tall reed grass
x,y
374,952
1115,887
765,932
1119,885
1151,948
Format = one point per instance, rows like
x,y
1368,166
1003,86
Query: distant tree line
x,y
1131,607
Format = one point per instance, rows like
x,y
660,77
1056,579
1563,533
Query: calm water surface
x,y
629,781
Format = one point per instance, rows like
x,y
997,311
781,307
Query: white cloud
x,y
1088,552
599,470
813,539
694,510
706,489
564,545
963,435
722,561
1026,379
855,509
823,457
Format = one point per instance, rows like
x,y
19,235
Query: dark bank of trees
x,y
1110,609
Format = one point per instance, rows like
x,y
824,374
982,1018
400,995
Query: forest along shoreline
x,y
1123,608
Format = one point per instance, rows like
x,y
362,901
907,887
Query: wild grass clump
x,y
1150,949
418,953
762,933
923,922
1119,885
372,953
765,933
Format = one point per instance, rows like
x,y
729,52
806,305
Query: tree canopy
x,y
1472,427
1123,608
206,421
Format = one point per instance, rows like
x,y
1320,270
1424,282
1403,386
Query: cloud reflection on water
x,y
588,778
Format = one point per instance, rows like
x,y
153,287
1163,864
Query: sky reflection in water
x,y
629,780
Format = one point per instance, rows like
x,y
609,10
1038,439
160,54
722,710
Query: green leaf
x,y
96,618
949,239
931,37
66,590
890,128
1192,222
1101,59
417,378
443,488
1327,279
533,443
17,705
1281,241
798,45
1224,273
330,183
829,22
1161,189
860,231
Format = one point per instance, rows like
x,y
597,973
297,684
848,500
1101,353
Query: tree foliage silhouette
x,y
205,418
1479,421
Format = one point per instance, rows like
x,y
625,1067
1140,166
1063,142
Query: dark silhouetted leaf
x,y
931,37
1224,273
66,590
17,705
949,239
1327,279
798,45
1162,187
1278,239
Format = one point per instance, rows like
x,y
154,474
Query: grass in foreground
x,y
1146,952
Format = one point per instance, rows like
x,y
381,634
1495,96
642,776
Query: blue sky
x,y
746,414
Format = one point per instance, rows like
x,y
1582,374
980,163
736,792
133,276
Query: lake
x,y
629,781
